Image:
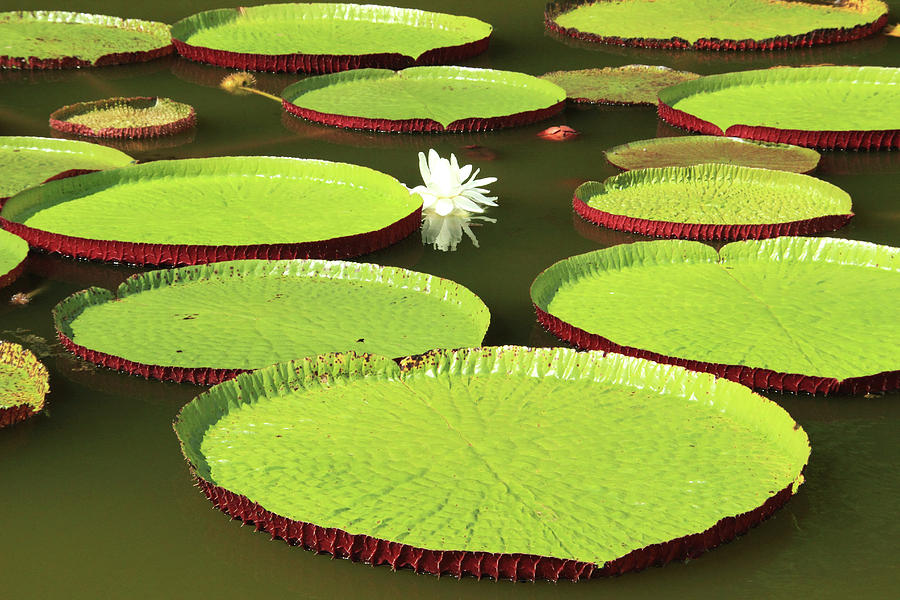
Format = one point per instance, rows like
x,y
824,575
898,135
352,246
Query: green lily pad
x,y
23,383
715,24
56,39
714,201
685,151
28,161
631,84
208,322
201,210
13,251
792,313
424,99
124,117
327,37
473,461
843,107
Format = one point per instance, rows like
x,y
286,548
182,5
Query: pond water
x,y
97,500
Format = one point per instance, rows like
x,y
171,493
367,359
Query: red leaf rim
x,y
58,122
11,275
459,563
815,37
143,253
14,414
875,139
424,125
703,231
754,377
328,63
72,62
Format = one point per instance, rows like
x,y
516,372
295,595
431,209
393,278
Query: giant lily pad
x,y
323,38
28,161
432,99
202,210
138,117
23,384
631,84
472,462
58,40
13,251
818,107
207,323
713,202
817,315
715,24
685,151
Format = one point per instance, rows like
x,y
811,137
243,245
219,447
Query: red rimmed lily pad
x,y
713,202
326,38
13,251
631,84
131,118
830,107
23,384
785,313
714,24
685,151
424,99
176,212
471,462
59,40
207,323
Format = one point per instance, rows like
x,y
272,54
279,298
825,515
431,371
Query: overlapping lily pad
x,y
27,161
631,84
715,24
817,315
324,38
210,322
138,117
685,151
13,251
849,108
713,202
58,40
23,384
175,212
472,462
424,99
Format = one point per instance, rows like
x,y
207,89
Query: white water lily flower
x,y
449,187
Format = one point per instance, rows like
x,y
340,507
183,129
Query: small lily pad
x,y
190,211
138,117
685,151
817,107
424,99
23,384
472,462
13,251
324,38
631,84
28,161
715,24
207,323
714,202
54,39
817,315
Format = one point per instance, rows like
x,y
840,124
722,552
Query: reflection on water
x,y
135,147
445,232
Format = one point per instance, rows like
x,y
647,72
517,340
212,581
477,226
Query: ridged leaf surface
x,y
715,194
23,378
443,94
503,450
218,201
631,84
812,306
249,314
27,161
333,29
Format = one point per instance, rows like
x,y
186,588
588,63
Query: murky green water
x,y
96,500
